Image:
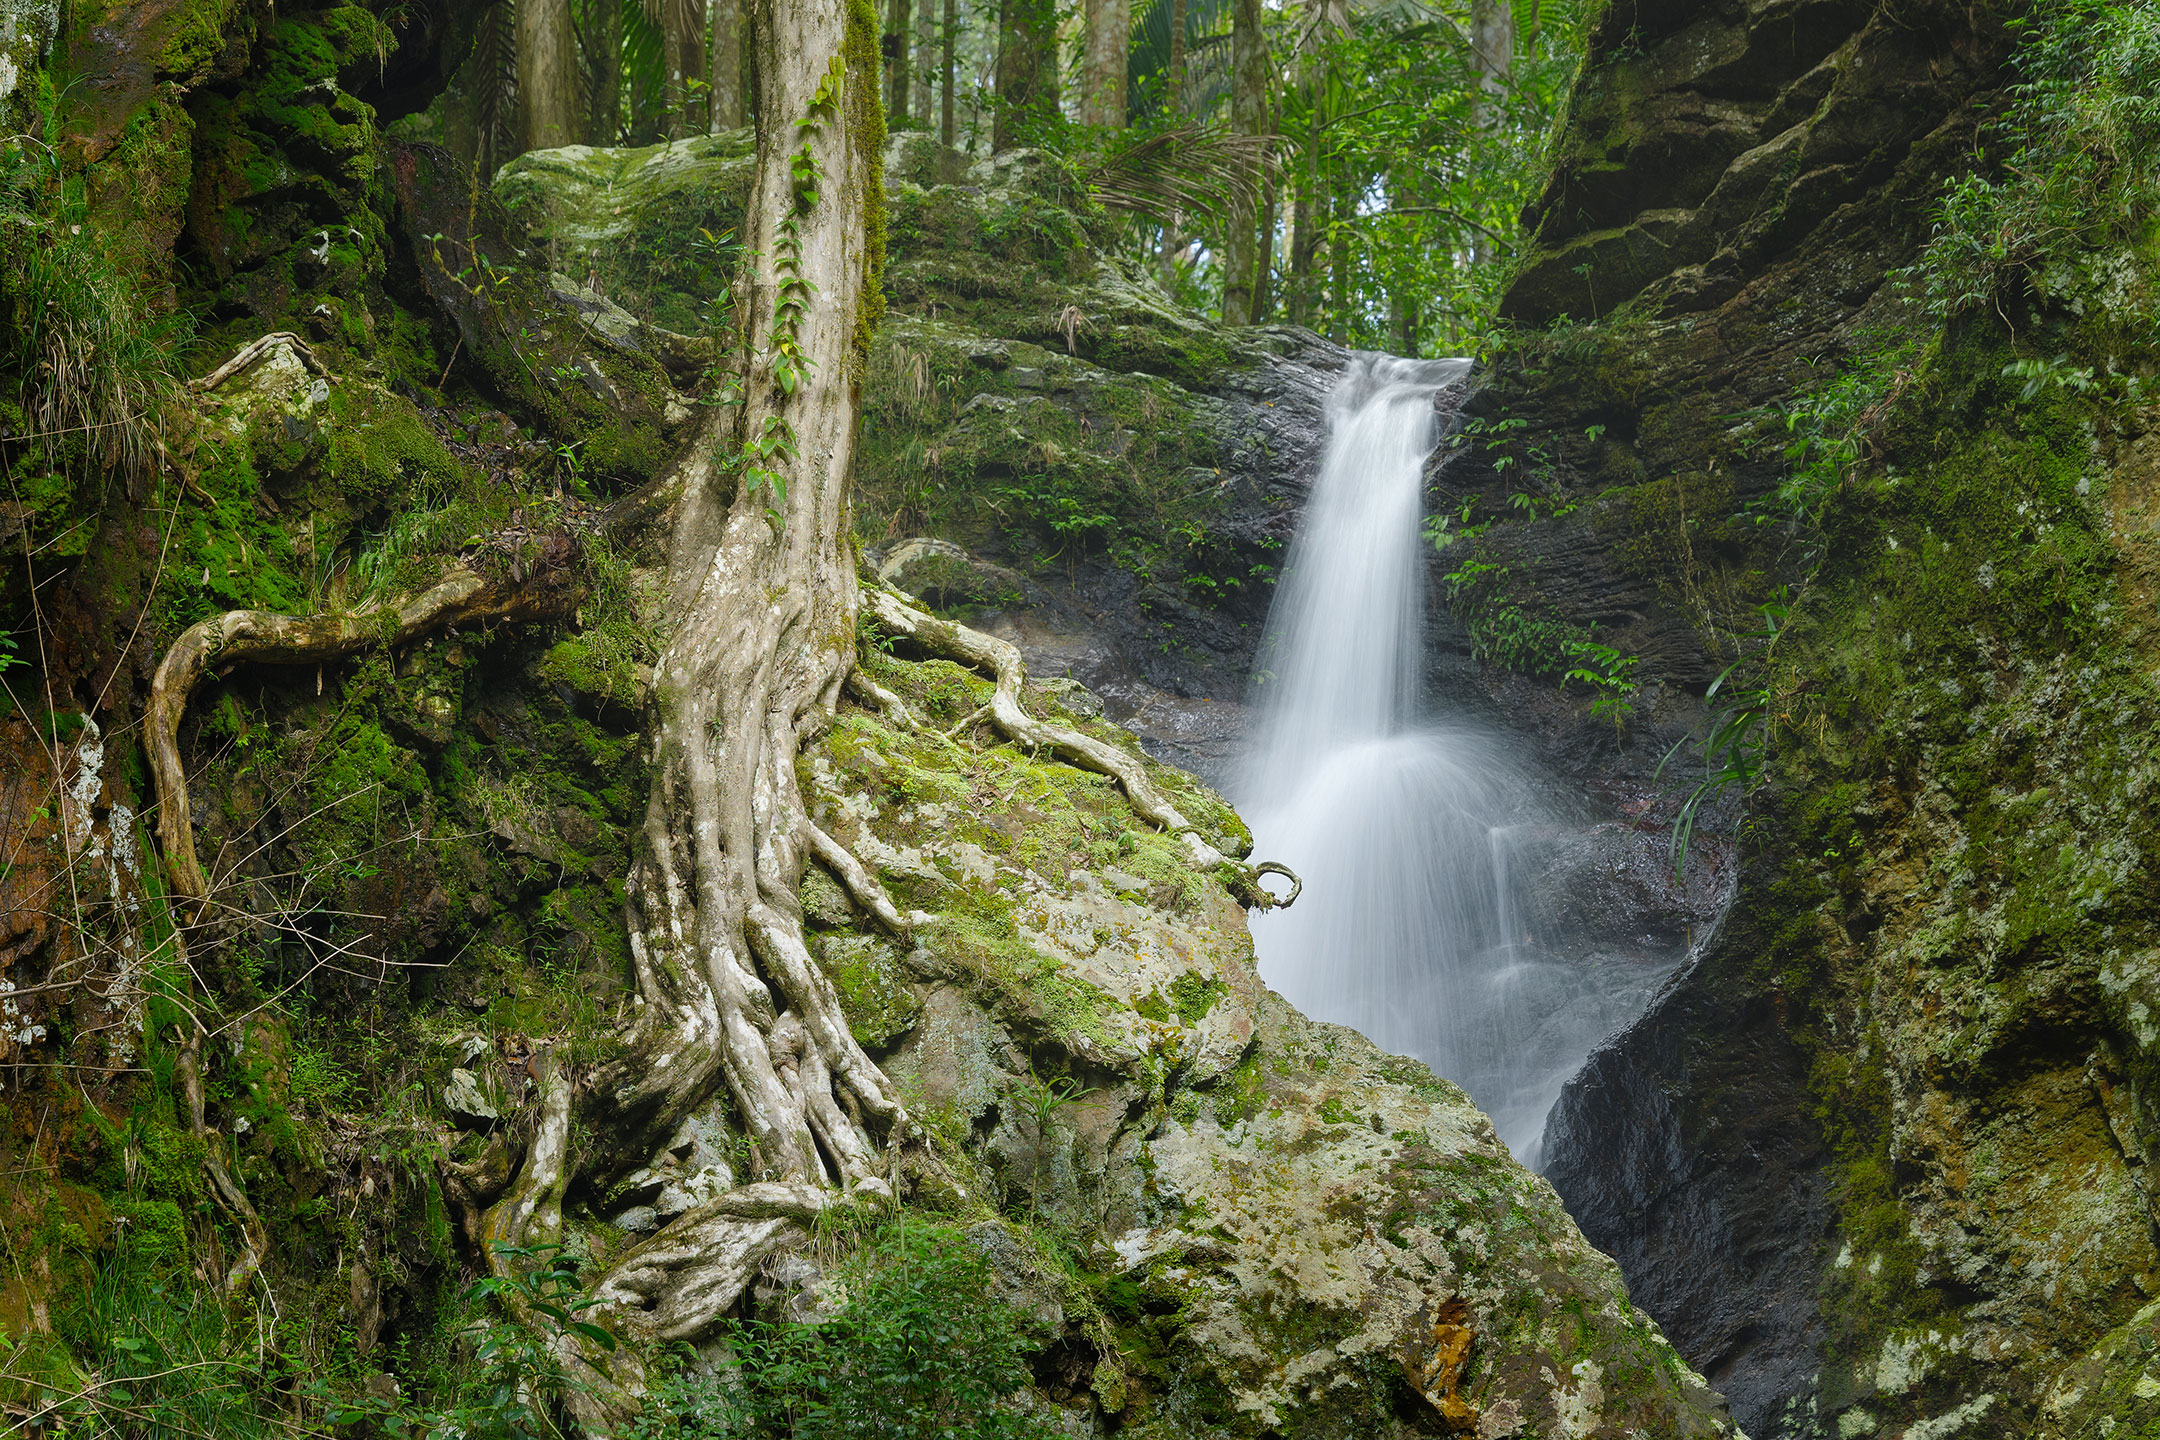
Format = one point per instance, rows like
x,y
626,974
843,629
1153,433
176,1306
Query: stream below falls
x,y
1437,864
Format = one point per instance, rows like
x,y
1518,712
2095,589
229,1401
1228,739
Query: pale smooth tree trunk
x,y
1492,44
1108,37
547,79
728,112
1248,116
924,76
761,604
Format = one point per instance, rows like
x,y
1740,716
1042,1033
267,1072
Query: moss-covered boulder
x,y
1244,1222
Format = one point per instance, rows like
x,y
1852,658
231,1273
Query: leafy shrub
x,y
2075,146
922,1350
89,364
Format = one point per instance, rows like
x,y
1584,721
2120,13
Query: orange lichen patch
x,y
1434,1355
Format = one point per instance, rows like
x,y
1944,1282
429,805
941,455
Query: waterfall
x,y
1424,846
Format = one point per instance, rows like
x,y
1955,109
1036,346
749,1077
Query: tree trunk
x,y
1304,242
1248,116
1027,91
728,112
683,32
1109,34
761,602
1492,43
603,117
1341,206
547,79
948,76
924,75
893,47
1174,77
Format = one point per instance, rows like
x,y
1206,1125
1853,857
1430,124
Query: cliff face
x,y
1212,1216
1876,1160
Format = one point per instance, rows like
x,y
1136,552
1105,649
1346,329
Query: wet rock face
x,y
1876,1159
1733,186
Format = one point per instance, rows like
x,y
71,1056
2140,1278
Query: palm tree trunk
x,y
1248,116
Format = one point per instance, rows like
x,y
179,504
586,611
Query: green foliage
x,y
1830,432
1509,626
2074,173
1735,737
1609,674
152,1352
90,367
923,1349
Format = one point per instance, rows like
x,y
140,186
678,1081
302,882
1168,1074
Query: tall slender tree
x,y
547,76
602,36
683,29
949,76
1107,40
1248,116
1492,47
1027,87
924,72
893,45
728,19
1322,21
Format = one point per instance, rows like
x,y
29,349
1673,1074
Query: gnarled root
x,y
462,596
1002,660
254,1239
677,1284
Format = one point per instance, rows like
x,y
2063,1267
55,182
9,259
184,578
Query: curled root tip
x,y
1276,867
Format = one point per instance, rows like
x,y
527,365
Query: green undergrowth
x,y
919,1344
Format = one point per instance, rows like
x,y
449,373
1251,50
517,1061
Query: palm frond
x,y
1186,173
494,70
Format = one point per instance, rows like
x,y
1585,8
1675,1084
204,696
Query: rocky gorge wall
x,y
1876,1159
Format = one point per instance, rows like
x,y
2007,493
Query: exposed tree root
x,y
255,350
461,597
893,611
880,699
681,1281
226,1190
860,883
530,1210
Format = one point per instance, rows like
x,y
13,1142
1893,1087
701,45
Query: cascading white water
x,y
1411,838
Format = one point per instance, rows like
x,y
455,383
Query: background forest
x,y
1360,169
